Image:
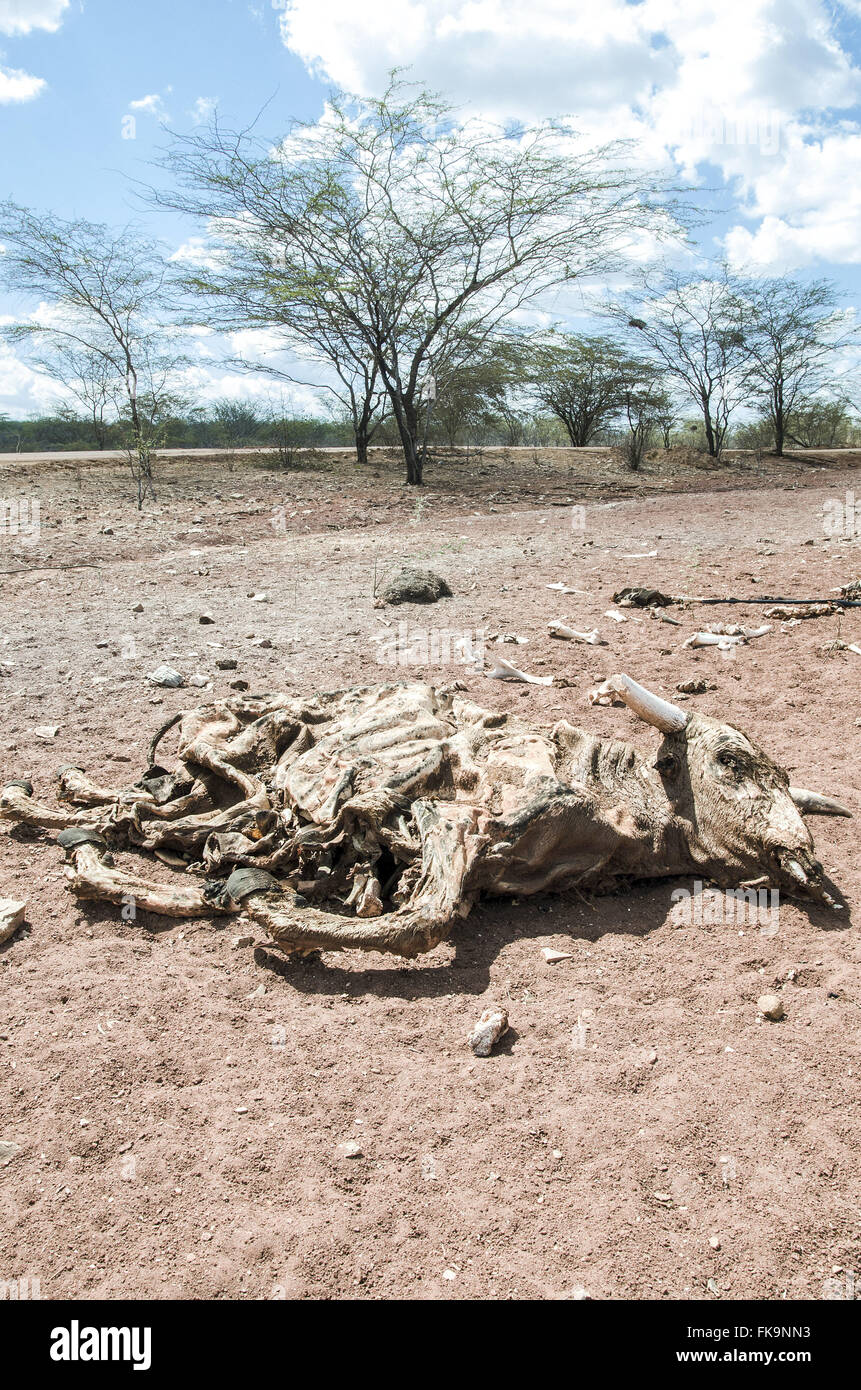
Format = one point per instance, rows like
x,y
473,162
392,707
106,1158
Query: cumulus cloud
x,y
808,207
739,85
22,16
16,85
151,105
202,110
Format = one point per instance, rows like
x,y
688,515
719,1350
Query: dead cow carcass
x,y
373,818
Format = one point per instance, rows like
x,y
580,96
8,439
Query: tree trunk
x,y
408,431
710,434
361,446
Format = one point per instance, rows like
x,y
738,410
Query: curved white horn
x,y
664,716
812,804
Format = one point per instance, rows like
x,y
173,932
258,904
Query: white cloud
x,y
808,206
203,109
22,16
16,85
152,105
736,84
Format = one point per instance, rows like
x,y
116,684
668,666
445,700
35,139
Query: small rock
x,y
489,1029
552,956
198,680
771,1006
695,687
206,619
227,663
350,1149
11,917
714,1242
239,685
166,675
47,731
259,598
8,1150
261,642
137,608
239,941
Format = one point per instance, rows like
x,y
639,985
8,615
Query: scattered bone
x,y
552,956
663,617
605,694
726,635
712,639
259,598
617,617
798,611
11,917
512,637
488,1030
504,671
642,555
565,589
557,628
838,646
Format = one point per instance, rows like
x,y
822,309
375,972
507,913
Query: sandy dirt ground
x,y
183,1109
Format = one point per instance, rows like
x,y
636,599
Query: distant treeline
x,y
67,431
241,427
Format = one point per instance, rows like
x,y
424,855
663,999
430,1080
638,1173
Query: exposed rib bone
x,y
90,877
18,805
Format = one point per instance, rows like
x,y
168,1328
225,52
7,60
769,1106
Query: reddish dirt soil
x,y
181,1106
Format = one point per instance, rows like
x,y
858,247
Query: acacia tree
x,y
109,309
477,383
87,376
397,225
693,328
582,381
645,404
793,332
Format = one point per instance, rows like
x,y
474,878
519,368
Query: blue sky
x,y
760,99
